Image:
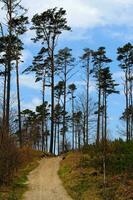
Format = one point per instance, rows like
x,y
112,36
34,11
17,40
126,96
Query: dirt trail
x,y
44,183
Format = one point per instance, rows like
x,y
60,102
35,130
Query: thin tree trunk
x,y
55,140
98,117
64,109
52,103
4,98
4,109
126,94
19,106
43,117
46,137
103,117
79,139
58,137
132,107
87,103
73,122
4,90
84,138
105,97
76,129
9,66
130,102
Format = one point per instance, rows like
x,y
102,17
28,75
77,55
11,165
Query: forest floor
x,y
44,182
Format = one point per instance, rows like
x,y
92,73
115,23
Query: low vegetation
x,y
26,160
82,172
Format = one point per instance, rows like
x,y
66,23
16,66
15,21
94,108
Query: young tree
x,y
30,126
48,26
58,121
43,112
78,128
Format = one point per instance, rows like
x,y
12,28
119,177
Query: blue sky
x,y
94,23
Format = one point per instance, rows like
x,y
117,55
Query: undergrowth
x,y
16,188
82,172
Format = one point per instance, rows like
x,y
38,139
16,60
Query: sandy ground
x,y
44,183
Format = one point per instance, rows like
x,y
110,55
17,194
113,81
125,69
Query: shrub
x,y
9,160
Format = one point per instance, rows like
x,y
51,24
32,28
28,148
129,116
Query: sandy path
x,y
44,183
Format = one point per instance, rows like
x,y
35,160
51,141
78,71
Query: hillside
x,y
82,172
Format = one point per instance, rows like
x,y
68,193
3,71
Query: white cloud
x,y
121,34
84,14
27,37
29,82
87,13
32,104
79,13
27,55
76,35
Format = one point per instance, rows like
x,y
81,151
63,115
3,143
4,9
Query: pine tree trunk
x,y
103,117
84,138
87,103
64,109
4,98
127,101
43,117
98,117
79,139
19,106
73,122
52,103
105,96
4,90
55,140
9,66
58,137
